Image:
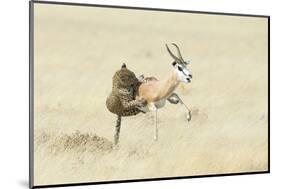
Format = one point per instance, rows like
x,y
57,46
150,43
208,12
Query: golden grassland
x,y
77,51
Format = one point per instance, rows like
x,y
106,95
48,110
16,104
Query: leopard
x,y
122,99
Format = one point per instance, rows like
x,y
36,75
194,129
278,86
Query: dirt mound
x,y
78,142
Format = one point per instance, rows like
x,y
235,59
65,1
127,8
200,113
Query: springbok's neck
x,y
169,84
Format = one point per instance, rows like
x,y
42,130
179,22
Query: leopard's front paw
x,y
142,103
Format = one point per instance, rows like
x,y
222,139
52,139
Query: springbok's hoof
x,y
189,117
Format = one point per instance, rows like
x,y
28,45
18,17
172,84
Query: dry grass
x,y
76,54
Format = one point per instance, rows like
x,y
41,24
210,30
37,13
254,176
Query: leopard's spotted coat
x,y
121,100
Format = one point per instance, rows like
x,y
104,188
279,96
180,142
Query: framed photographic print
x,y
122,94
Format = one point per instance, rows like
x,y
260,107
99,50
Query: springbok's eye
x,y
180,69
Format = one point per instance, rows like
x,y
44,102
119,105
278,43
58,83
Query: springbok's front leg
x,y
153,109
174,99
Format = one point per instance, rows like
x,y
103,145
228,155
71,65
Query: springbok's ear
x,y
123,65
174,63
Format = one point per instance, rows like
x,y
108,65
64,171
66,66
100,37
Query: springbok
x,y
156,92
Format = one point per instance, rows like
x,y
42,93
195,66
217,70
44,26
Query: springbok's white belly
x,y
160,103
150,107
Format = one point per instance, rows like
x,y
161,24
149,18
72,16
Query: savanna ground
x,y
77,51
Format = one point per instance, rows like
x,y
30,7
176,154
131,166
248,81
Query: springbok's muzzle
x,y
189,78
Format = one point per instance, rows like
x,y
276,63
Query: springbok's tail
x,y
117,129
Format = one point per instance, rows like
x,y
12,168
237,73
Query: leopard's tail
x,y
117,129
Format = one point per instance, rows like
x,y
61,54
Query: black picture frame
x,y
31,92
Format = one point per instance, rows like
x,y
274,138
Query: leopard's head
x,y
124,78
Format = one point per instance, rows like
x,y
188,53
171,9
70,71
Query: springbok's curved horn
x,y
172,55
179,53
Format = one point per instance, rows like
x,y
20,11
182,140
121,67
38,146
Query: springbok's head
x,y
179,64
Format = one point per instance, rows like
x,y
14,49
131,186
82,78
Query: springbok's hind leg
x,y
175,99
155,126
117,130
153,109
